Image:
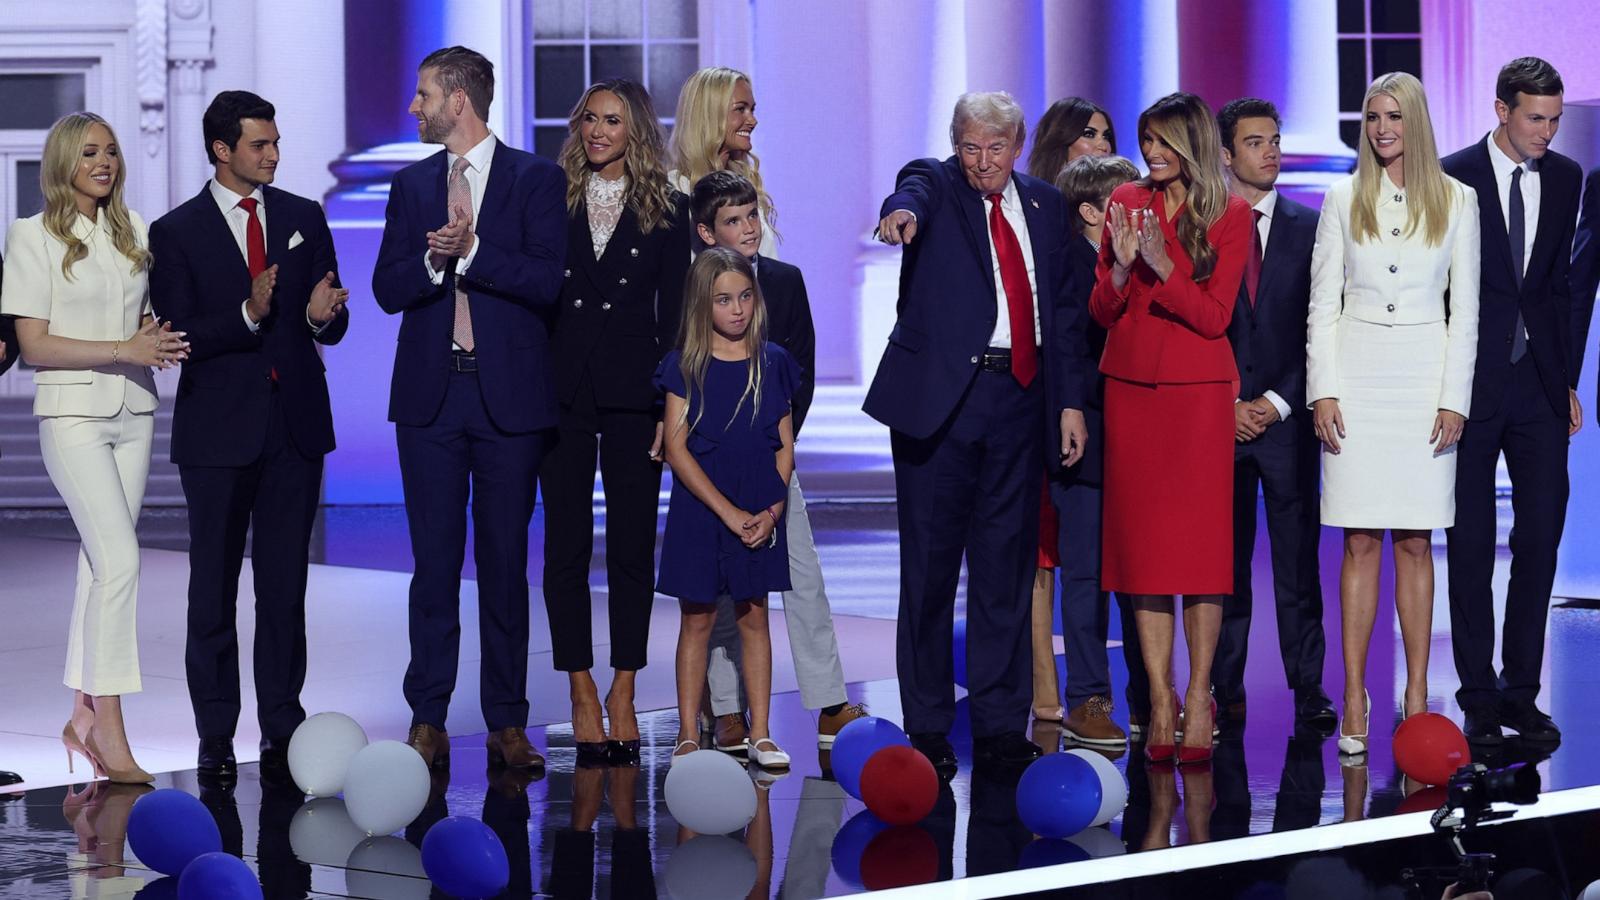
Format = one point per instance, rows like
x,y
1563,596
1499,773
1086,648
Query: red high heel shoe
x,y
1191,755
1164,753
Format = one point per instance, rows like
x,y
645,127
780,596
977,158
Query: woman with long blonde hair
x,y
711,132
730,442
1165,287
76,280
627,252
1389,374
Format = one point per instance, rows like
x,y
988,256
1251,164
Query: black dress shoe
x,y
10,778
1528,721
1008,748
936,747
1313,709
274,753
216,756
1483,728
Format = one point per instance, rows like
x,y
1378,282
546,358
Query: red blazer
x,y
1174,332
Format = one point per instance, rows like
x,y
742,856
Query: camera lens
x,y
1517,783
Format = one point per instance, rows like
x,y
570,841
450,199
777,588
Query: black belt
x,y
462,361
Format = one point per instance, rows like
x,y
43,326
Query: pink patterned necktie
x,y
460,200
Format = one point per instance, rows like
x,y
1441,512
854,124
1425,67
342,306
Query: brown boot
x,y
828,727
732,736
1090,723
510,747
432,743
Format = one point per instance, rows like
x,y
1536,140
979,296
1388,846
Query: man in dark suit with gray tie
x,y
1524,402
1275,449
984,362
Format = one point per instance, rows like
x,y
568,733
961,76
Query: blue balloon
x,y
851,842
163,888
168,828
1050,852
855,745
465,858
958,651
1059,795
218,876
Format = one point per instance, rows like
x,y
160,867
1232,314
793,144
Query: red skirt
x,y
1049,528
1167,524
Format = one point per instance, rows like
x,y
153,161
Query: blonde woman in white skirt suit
x,y
1389,374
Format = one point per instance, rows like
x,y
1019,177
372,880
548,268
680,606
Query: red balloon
x,y
899,785
1430,748
899,857
1425,800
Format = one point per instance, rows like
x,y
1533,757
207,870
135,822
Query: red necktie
x,y
1252,269
255,250
1019,294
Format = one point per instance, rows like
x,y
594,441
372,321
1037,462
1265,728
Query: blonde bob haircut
x,y
699,127
1185,124
63,151
1428,193
992,112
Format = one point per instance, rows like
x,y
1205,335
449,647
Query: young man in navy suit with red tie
x,y
249,272
474,246
1275,450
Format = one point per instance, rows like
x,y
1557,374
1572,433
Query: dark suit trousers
x,y
1534,441
632,483
462,453
1286,473
1085,609
276,496
970,490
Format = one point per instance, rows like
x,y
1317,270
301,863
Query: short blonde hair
x,y
992,111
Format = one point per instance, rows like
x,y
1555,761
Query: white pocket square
x,y
296,240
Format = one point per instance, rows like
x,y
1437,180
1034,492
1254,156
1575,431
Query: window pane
x,y
1352,74
1397,56
616,19
547,140
1350,132
30,199
558,19
1403,16
1352,16
625,61
557,81
670,66
673,18
37,100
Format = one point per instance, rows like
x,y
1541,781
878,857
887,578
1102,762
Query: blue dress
x,y
700,558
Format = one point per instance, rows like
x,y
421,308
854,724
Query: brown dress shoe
x,y
1090,723
432,743
828,727
510,747
732,735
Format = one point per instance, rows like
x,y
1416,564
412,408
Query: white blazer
x,y
1397,279
105,300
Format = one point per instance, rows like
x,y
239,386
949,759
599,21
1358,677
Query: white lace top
x,y
604,200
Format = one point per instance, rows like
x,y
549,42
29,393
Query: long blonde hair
x,y
1428,194
63,150
699,126
696,334
1185,124
649,194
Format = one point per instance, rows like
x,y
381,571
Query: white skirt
x,y
1387,474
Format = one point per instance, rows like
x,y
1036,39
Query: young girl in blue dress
x,y
730,443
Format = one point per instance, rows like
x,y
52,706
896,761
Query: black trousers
x,y
1534,440
1283,464
971,491
632,483
462,453
276,496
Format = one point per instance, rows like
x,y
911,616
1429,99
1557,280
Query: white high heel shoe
x,y
1356,744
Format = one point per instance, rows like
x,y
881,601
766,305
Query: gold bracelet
x,y
115,346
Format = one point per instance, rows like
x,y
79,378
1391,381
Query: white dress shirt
x,y
1011,208
1268,205
238,220
1503,167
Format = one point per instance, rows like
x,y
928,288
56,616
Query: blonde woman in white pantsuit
x,y
1389,374
75,279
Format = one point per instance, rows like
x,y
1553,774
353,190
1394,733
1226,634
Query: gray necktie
x,y
1517,232
459,197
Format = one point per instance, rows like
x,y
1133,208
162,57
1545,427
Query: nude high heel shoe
x,y
131,775
1356,744
69,740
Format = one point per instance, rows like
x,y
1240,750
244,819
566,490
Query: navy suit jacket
x,y
1545,297
198,282
946,310
1081,257
789,325
1269,337
512,287
1585,276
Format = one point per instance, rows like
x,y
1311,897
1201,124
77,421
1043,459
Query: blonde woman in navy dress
x,y
730,442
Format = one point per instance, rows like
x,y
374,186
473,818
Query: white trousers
x,y
99,466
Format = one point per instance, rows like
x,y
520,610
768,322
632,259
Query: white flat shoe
x,y
1356,744
766,753
677,753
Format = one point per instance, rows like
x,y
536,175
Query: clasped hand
x,y
1252,418
155,345
753,529
453,240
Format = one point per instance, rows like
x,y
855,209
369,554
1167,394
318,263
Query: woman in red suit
x,y
1164,290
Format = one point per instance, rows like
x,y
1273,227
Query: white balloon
x,y
322,834
1098,843
706,791
320,752
387,787
710,867
386,867
1113,787
1592,892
